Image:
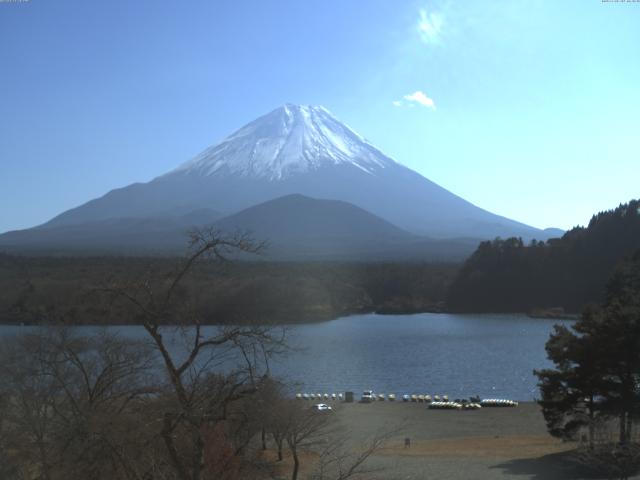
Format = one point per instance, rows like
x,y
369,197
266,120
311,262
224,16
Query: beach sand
x,y
486,444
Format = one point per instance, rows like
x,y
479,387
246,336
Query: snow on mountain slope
x,y
289,140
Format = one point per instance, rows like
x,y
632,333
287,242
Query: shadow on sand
x,y
556,466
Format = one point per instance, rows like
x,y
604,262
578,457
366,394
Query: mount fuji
x,y
293,150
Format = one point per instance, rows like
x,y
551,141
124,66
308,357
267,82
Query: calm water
x,y
458,355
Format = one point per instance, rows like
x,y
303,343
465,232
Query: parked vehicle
x,y
367,396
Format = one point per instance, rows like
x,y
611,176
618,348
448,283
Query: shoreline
x,y
308,321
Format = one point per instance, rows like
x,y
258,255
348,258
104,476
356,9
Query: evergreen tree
x,y
568,393
597,362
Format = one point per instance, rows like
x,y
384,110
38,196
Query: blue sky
x,y
529,109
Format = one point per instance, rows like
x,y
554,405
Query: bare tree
x,y
305,428
269,407
200,401
277,425
319,433
339,461
71,404
188,404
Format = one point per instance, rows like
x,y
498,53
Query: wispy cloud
x,y
416,98
430,27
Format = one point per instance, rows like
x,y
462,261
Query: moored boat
x,y
498,402
445,406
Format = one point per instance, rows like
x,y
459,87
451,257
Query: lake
x,y
458,355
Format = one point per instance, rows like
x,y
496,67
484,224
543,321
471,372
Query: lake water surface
x,y
458,355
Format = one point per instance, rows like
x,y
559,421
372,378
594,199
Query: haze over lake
x,y
459,355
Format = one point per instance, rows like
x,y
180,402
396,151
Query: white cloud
x,y
397,103
420,98
430,27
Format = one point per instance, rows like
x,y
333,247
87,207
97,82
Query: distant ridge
x,y
295,227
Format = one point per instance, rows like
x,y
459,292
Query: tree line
x,y
36,288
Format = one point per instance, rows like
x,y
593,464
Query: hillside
x,y
297,227
569,272
159,235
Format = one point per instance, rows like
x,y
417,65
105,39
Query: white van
x,y
367,396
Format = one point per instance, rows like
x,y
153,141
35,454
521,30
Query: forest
x,y
564,274
37,290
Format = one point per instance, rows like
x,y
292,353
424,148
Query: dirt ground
x,y
487,444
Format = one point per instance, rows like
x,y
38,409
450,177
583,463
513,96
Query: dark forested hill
x,y
569,272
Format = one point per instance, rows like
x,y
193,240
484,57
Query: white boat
x,y
445,406
392,397
498,402
381,397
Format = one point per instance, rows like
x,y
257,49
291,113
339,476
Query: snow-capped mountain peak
x,y
297,150
289,140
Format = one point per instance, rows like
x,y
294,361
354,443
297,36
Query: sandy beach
x,y
487,444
